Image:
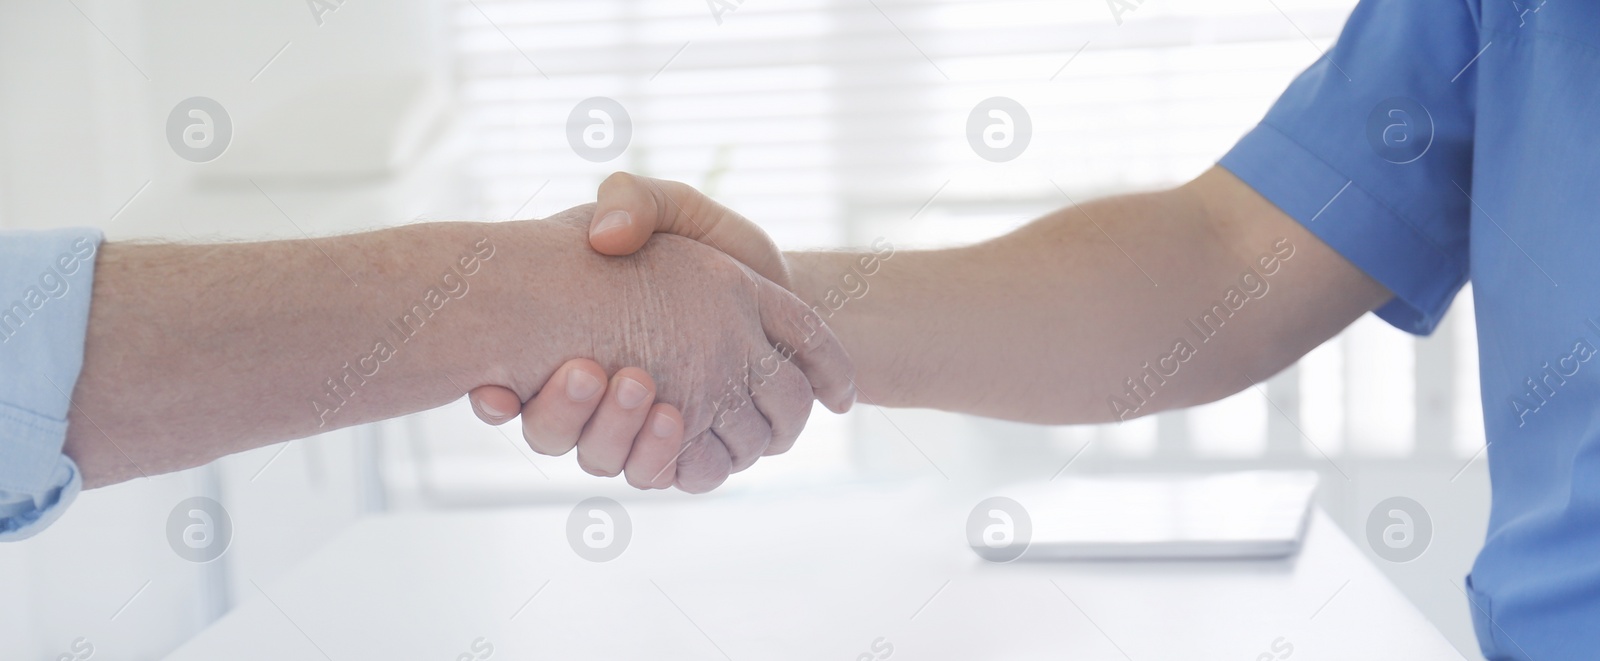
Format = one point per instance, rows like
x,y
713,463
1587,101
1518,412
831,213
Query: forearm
x,y
197,351
1093,314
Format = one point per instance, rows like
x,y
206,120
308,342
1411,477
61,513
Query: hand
x,y
743,374
630,209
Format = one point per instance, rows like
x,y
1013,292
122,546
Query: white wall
x,y
84,98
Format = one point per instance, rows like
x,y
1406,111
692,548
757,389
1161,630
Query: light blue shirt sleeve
x,y
45,281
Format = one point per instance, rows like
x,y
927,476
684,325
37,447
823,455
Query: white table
x,y
804,577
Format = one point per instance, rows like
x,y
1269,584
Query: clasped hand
x,y
737,358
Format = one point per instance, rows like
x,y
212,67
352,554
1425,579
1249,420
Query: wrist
x,y
542,301
430,293
848,291
504,336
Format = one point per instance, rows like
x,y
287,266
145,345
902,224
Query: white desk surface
x,y
800,577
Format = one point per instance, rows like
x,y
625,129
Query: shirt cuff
x,y
46,278
24,513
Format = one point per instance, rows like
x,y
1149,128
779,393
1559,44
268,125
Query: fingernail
x,y
581,385
611,221
662,425
490,410
630,393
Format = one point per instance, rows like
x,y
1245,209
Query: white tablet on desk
x,y
1255,514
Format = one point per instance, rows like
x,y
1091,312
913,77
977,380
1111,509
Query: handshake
x,y
687,357
665,337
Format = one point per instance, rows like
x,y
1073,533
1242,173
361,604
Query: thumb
x,y
631,208
495,405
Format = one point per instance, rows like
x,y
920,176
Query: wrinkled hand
x,y
740,358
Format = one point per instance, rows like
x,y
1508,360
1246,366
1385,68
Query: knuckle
x,y
642,481
618,178
597,471
546,446
702,484
725,270
544,441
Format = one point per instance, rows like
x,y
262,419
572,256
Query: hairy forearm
x,y
1121,308
197,351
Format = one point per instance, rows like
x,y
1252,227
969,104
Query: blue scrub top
x,y
1441,140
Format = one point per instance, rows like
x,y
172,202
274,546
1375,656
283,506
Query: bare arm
x,y
197,351
1123,307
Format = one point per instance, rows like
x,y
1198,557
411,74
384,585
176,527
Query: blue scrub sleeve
x,y
1371,149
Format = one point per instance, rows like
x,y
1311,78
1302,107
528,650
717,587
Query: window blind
x,y
838,121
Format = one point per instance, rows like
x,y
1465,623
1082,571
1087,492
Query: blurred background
x,y
830,122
